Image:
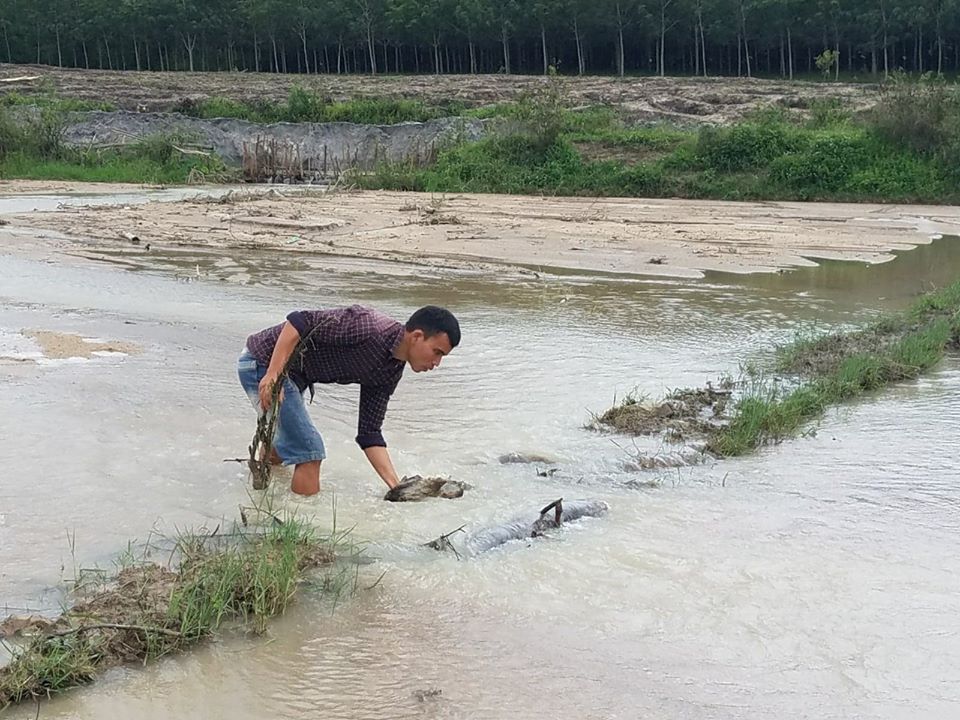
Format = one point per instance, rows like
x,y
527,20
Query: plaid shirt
x,y
346,345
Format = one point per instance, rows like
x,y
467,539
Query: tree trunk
x,y
276,56
136,51
703,44
789,52
473,57
106,46
339,55
504,38
59,50
886,60
620,62
6,40
746,44
739,56
543,44
920,49
939,45
189,42
302,32
576,36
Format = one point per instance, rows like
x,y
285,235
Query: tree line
x,y
665,37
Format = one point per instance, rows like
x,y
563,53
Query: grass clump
x,y
240,579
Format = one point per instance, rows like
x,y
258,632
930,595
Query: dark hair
x,y
433,320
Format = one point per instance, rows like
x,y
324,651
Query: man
x,y
345,345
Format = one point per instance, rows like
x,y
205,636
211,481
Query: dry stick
x,y
115,626
267,423
443,542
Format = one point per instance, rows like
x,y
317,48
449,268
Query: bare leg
x,y
306,478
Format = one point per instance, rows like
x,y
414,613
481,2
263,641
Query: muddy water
x,y
813,580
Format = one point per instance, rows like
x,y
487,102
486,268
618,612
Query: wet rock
x,y
417,487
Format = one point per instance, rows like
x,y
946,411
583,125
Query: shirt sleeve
x,y
373,409
333,327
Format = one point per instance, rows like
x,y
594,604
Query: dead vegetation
x,y
682,413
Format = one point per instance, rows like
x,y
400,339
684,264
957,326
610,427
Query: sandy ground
x,y
500,233
59,346
680,100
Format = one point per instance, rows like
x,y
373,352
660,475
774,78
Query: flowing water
x,y
814,579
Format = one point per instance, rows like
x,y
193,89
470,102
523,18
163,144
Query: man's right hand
x,y
266,391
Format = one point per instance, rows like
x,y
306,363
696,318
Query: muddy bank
x,y
647,99
679,238
242,576
323,148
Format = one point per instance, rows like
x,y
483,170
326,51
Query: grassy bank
x,y
239,578
32,148
824,372
907,149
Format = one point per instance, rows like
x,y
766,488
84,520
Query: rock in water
x,y
416,488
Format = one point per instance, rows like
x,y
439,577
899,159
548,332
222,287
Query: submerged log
x,y
551,517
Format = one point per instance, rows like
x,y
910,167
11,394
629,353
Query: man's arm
x,y
373,409
286,343
379,458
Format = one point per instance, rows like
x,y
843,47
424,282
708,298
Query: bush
x,y
921,115
746,146
826,165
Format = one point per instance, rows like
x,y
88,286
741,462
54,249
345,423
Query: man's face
x,y
427,352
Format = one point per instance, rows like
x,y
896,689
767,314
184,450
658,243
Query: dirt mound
x,y
322,148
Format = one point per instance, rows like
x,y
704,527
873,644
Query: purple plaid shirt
x,y
345,345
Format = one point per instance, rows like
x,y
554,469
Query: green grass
x,y
303,105
108,168
51,101
245,578
907,150
34,149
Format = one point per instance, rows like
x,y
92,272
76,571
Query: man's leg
x,y
298,443
306,478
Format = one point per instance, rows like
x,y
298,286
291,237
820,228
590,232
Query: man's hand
x,y
266,391
286,343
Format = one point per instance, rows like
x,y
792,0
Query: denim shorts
x,y
296,440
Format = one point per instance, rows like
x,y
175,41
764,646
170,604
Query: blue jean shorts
x,y
296,440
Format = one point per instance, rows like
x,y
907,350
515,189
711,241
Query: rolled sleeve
x,y
373,409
